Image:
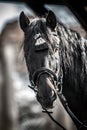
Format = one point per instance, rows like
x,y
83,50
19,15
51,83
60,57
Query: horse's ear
x,y
51,20
24,21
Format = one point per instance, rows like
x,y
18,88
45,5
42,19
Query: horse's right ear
x,y
24,21
51,20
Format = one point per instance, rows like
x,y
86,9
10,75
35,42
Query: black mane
x,y
74,58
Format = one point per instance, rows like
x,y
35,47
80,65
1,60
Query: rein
x,y
72,115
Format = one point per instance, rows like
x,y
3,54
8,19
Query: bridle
x,y
58,86
36,75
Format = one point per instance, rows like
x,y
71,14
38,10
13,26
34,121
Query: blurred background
x,y
19,109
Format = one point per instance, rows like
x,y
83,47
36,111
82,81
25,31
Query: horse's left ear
x,y
51,20
24,21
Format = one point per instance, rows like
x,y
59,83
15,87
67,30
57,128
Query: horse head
x,y
41,51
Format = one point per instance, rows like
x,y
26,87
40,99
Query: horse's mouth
x,y
47,103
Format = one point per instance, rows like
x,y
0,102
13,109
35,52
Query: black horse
x,y
56,56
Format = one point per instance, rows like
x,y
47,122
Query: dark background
x,y
78,7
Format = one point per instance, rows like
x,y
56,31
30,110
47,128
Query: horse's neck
x,y
74,57
74,54
75,61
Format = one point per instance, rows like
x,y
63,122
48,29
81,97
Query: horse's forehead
x,y
38,28
37,21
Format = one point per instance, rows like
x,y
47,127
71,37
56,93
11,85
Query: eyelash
x,y
55,35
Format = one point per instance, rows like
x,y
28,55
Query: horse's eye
x,y
41,47
55,34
